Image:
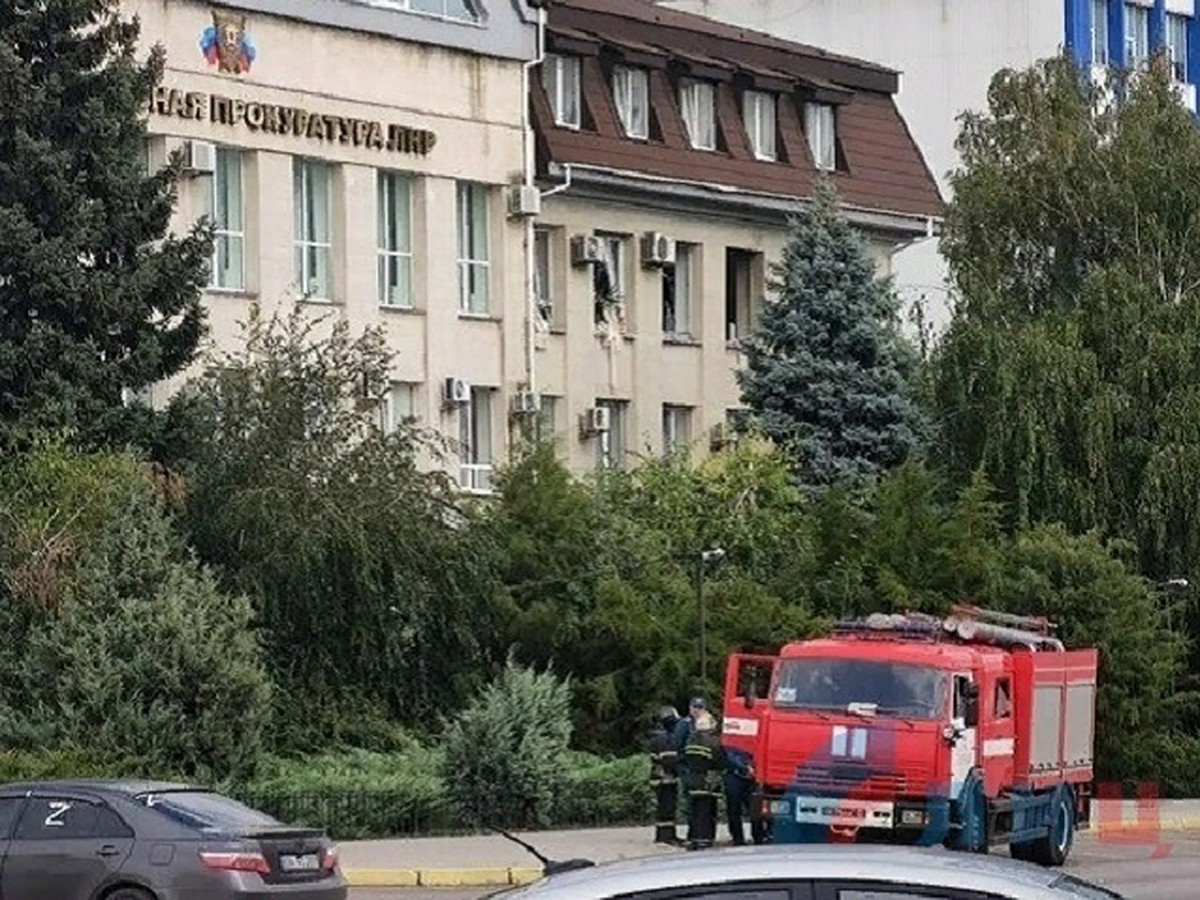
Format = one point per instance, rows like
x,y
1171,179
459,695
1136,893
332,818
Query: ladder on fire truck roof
x,y
966,623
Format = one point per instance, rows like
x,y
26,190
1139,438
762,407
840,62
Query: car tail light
x,y
235,861
330,860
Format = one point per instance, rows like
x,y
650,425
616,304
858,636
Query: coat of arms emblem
x,y
226,43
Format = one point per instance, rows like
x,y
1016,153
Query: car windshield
x,y
894,689
206,811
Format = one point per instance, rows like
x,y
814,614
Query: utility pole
x,y
705,557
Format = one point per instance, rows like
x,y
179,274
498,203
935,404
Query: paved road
x,y
1131,870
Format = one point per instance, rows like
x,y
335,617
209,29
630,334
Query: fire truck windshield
x,y
892,689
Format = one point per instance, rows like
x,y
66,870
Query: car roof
x,y
933,868
128,787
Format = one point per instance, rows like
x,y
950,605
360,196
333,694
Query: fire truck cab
x,y
968,731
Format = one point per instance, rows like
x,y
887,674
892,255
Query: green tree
x,y
96,296
117,643
506,753
376,596
1070,373
826,367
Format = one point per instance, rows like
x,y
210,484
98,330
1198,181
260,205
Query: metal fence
x,y
362,814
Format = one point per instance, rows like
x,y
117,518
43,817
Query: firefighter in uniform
x,y
664,776
703,765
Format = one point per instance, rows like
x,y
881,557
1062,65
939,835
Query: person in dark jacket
x,y
664,776
739,788
703,761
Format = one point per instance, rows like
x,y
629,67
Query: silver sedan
x,y
814,872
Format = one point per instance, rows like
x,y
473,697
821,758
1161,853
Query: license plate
x,y
843,812
307,862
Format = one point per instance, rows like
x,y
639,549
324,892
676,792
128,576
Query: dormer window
x,y
697,104
560,76
758,112
631,93
820,128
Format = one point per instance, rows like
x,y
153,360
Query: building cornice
x,y
600,184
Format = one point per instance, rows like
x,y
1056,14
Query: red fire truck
x,y
970,731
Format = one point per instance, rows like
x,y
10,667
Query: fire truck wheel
x,y
1053,849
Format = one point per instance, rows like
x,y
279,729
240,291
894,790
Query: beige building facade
x,y
373,161
362,173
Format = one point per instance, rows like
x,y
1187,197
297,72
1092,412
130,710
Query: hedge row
x,y
372,795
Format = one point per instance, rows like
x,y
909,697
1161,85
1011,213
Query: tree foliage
x,y
1070,372
117,644
376,597
95,295
826,368
506,752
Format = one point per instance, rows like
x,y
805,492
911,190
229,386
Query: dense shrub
x,y
116,642
506,753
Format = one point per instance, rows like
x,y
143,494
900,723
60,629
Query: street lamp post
x,y
705,557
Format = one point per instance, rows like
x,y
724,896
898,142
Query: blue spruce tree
x,y
826,365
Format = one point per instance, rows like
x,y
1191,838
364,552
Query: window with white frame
x,y
473,268
465,10
758,112
225,208
1137,35
560,77
697,104
608,277
1177,45
677,291
611,445
547,418
820,127
395,238
676,428
399,406
1100,32
475,441
631,93
543,273
314,245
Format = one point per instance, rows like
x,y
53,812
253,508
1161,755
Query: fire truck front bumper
x,y
812,819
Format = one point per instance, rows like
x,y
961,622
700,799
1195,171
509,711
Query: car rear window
x,y
206,811
1072,887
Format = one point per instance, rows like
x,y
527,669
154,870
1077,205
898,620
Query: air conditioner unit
x,y
524,200
526,403
199,157
456,391
585,249
657,249
595,420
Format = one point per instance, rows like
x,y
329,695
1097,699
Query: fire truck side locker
x,y
1055,705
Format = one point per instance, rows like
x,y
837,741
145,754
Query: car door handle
x,y
107,850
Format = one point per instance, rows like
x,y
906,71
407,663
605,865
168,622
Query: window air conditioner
x,y
596,419
199,157
657,249
456,391
585,249
524,200
525,403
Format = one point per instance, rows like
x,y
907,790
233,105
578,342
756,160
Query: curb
x,y
502,876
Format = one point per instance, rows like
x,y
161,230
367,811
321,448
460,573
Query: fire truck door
x,y
964,724
747,687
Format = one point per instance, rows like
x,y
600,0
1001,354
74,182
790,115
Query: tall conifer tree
x,y
826,364
97,297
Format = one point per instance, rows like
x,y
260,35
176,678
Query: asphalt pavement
x,y
1137,868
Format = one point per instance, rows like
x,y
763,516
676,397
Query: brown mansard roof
x,y
880,166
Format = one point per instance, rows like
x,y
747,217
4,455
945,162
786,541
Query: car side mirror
x,y
971,706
